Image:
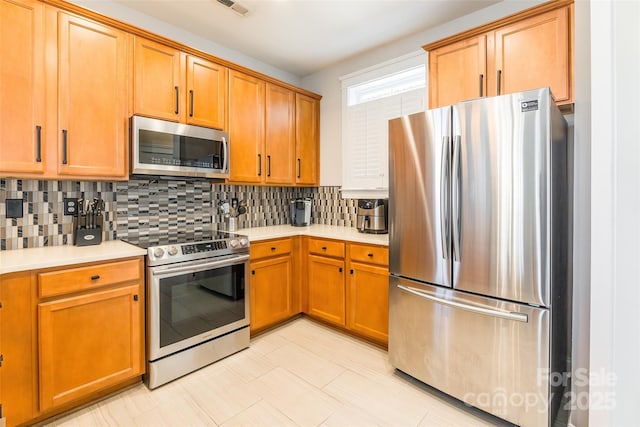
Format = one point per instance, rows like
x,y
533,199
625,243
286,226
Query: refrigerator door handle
x,y
519,317
444,198
455,194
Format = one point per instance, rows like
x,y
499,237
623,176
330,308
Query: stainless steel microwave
x,y
166,148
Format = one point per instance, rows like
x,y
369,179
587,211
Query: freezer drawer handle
x,y
480,310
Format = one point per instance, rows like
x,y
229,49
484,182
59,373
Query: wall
x,y
615,203
147,206
122,13
327,82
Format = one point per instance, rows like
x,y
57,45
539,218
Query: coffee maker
x,y
300,210
372,216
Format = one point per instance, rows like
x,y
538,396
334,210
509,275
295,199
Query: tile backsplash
x,y
147,206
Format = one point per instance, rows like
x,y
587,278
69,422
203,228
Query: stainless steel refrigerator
x,y
479,239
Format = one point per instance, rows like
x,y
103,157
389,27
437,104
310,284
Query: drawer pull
x,y
95,277
273,248
370,255
324,248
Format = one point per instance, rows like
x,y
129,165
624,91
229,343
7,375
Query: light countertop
x,y
58,256
316,230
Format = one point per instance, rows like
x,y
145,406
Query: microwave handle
x,y
225,154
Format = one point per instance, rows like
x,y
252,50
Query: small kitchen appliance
x,y
300,210
372,216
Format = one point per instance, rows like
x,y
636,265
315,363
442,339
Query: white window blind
x,y
370,99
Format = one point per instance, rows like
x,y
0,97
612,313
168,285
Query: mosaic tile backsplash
x,y
147,206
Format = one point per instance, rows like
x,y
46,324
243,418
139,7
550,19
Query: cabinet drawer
x,y
326,247
91,277
371,254
270,248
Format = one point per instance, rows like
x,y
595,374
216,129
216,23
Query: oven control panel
x,y
203,247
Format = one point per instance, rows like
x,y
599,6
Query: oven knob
x,y
244,242
172,251
158,252
233,243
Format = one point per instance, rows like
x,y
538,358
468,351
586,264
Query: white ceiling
x,y
304,36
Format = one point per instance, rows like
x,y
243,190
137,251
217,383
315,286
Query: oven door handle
x,y
192,267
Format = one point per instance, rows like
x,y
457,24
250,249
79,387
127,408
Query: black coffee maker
x,y
300,210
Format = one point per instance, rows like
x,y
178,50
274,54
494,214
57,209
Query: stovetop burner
x,y
169,248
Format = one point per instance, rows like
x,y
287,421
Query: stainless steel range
x,y
197,301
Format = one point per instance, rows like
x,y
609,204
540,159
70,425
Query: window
x,y
370,98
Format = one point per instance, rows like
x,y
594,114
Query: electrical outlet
x,y
13,208
70,206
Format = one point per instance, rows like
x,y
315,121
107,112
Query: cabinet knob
x,y
324,248
340,269
253,272
351,271
273,248
370,255
95,277
135,297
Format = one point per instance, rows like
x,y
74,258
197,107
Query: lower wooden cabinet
x,y
368,301
65,342
88,343
274,287
325,289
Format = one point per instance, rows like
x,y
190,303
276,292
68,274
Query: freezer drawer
x,y
491,354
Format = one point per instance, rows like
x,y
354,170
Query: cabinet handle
x,y
38,144
481,84
299,168
177,99
351,271
135,297
191,103
253,272
259,164
268,165
64,146
273,249
499,80
340,269
324,248
95,277
370,255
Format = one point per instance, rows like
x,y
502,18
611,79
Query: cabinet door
x,y
307,139
534,53
159,87
88,343
368,301
18,348
92,99
457,72
207,93
271,292
280,134
246,127
325,293
21,86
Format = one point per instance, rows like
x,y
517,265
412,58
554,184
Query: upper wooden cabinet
x,y
22,108
65,86
525,51
273,132
534,53
93,99
246,127
172,85
280,134
307,140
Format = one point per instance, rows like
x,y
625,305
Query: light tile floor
x,y
301,374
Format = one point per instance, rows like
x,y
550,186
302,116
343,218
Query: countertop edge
x,y
20,260
348,234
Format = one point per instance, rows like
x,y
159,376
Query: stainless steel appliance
x,y
300,211
372,216
166,148
198,301
480,231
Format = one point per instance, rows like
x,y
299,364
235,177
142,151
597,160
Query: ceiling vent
x,y
235,6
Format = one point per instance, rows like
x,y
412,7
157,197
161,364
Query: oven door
x,y
192,302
